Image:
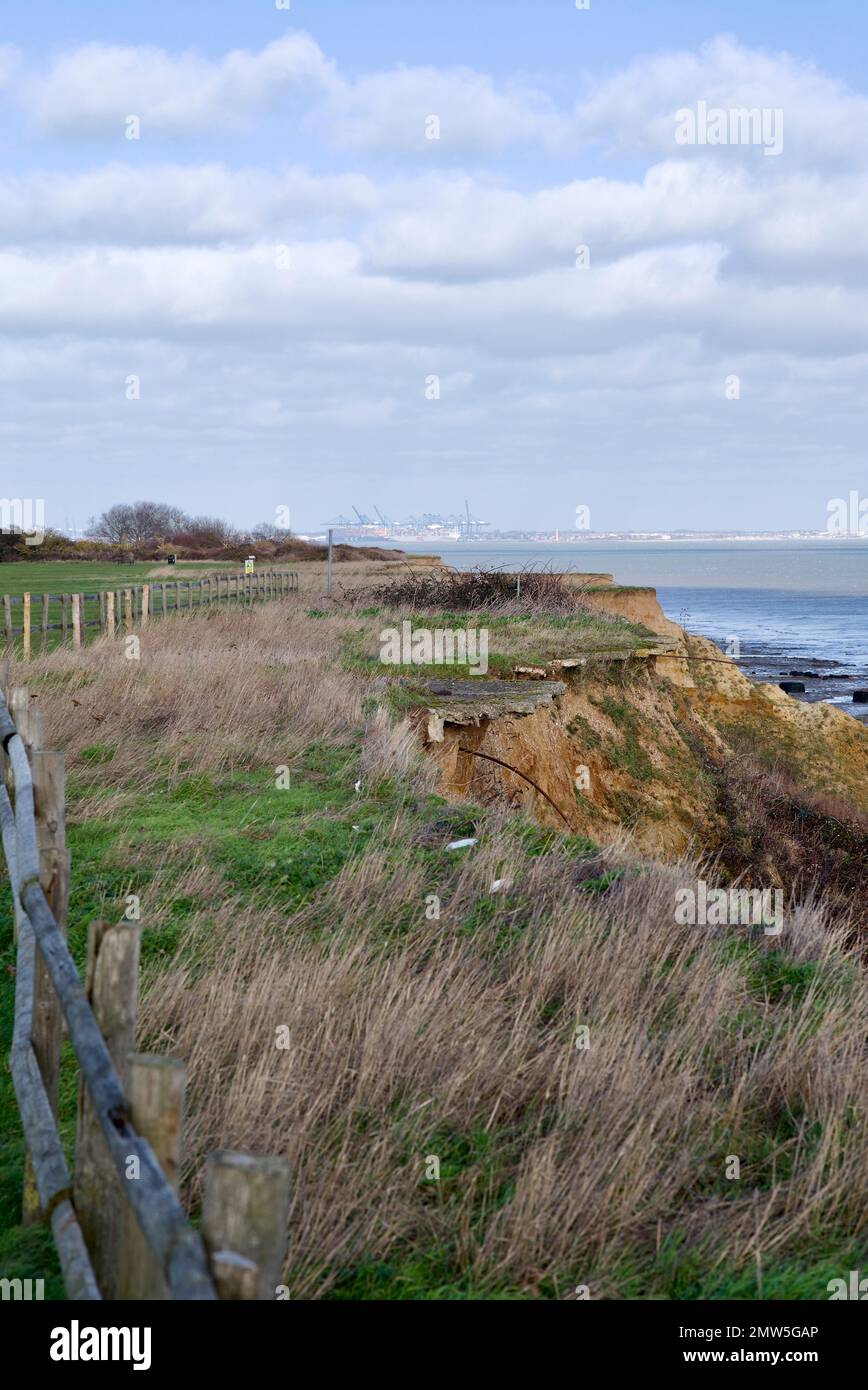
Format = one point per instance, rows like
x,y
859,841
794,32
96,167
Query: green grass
x,y
627,753
54,580
513,640
282,844
82,576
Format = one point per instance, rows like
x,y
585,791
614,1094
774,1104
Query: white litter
x,y
498,884
461,844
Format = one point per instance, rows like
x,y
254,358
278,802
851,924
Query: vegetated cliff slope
x,y
680,749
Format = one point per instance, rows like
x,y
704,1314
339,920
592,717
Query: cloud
x,y
88,92
806,226
122,204
634,110
425,109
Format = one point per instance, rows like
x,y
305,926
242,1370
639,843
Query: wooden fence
x,y
72,616
118,1224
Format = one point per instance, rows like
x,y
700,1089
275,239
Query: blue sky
x,y
286,293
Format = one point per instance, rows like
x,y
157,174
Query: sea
x,y
791,609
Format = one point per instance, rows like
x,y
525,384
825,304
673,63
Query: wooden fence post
x,y
244,1223
156,1093
26,621
7,621
111,985
76,620
128,608
47,1025
110,614
46,600
146,603
5,776
22,713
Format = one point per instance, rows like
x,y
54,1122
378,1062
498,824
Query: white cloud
x,y
824,121
397,111
89,91
126,204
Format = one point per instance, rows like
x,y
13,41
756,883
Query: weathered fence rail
x,y
117,1221
75,616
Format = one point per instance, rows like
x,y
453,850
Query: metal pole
x,y
329,589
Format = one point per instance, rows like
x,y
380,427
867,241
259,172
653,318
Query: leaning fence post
x,y
244,1223
112,987
47,1020
155,1088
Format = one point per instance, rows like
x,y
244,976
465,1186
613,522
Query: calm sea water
x,y
791,605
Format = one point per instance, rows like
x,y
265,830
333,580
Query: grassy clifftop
x,y
525,1011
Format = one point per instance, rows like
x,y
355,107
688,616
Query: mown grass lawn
x,y
90,577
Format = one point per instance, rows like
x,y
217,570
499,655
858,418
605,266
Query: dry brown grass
x,y
228,690
399,1046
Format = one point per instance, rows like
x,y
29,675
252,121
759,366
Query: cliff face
x,y
680,750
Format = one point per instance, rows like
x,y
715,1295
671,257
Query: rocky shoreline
x,y
828,681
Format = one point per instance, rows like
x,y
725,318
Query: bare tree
x,y
129,523
155,520
210,531
113,525
269,531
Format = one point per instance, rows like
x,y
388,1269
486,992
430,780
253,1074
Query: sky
x,y
258,256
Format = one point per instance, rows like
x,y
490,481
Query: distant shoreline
x,y
622,538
